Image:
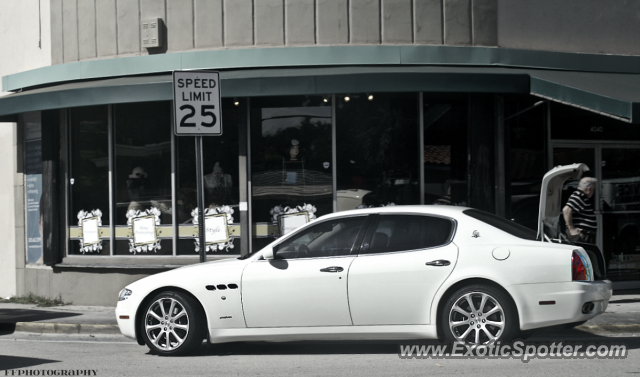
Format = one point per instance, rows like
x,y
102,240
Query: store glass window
x,y
619,190
221,181
525,162
445,149
290,161
377,150
89,173
142,177
571,123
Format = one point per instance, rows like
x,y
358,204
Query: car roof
x,y
441,210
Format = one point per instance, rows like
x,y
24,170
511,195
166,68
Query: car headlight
x,y
124,294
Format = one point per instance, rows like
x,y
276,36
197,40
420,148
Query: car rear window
x,y
501,223
409,232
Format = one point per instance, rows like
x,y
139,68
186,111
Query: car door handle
x,y
332,269
438,263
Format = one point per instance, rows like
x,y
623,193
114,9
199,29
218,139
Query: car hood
x,y
188,276
551,195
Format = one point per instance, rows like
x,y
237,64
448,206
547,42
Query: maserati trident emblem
x,y
476,234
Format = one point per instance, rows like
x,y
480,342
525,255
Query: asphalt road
x,y
113,355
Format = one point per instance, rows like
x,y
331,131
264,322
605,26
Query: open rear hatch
x,y
550,226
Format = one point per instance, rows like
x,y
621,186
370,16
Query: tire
x,y
173,324
493,316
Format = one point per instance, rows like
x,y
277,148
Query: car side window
x,y
409,232
326,239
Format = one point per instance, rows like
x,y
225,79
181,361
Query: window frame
x,y
368,219
376,221
507,226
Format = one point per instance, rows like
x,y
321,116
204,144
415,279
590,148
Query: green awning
x,y
612,94
275,82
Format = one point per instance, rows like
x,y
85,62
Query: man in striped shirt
x,y
578,213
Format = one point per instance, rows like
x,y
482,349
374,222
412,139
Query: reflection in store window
x,y
221,177
89,169
620,192
525,163
445,151
143,165
290,156
377,150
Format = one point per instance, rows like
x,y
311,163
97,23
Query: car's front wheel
x,y
173,324
479,314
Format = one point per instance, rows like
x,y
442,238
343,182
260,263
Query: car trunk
x,y
550,223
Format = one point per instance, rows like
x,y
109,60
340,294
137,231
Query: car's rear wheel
x,y
479,315
173,324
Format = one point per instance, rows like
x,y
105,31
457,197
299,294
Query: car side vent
x,y
221,287
233,286
210,288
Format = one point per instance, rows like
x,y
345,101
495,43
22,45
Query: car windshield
x,y
503,224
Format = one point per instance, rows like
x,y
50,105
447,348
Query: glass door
x,y
620,206
291,164
616,201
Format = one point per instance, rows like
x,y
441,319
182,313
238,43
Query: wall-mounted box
x,y
151,32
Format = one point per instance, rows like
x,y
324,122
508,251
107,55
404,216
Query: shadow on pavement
x,y
306,348
16,362
28,315
390,347
624,301
555,334
625,292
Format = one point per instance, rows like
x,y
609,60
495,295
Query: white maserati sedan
x,y
402,272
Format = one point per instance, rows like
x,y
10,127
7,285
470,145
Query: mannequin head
x,y
137,179
217,170
294,150
138,172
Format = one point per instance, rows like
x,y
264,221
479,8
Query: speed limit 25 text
x,y
196,83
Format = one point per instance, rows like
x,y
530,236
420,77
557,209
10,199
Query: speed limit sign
x,y
196,103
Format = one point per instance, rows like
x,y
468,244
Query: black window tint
x,y
503,224
326,239
409,232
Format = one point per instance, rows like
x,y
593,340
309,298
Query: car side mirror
x,y
268,253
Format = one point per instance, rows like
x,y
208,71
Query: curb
x,y
63,328
609,329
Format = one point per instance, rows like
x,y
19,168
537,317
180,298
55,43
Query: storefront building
x,y
327,106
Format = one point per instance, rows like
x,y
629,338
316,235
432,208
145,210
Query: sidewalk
x,y
68,319
622,316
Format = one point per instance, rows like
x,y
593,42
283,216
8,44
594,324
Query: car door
x,y
306,283
402,263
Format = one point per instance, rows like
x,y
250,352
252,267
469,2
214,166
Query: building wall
x,y
96,29
25,44
588,26
82,287
11,231
93,29
26,36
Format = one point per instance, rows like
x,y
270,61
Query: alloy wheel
x,y
167,324
476,318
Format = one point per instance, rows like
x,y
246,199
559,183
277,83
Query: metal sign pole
x,y
200,191
197,111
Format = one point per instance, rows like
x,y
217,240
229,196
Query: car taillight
x,y
578,270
